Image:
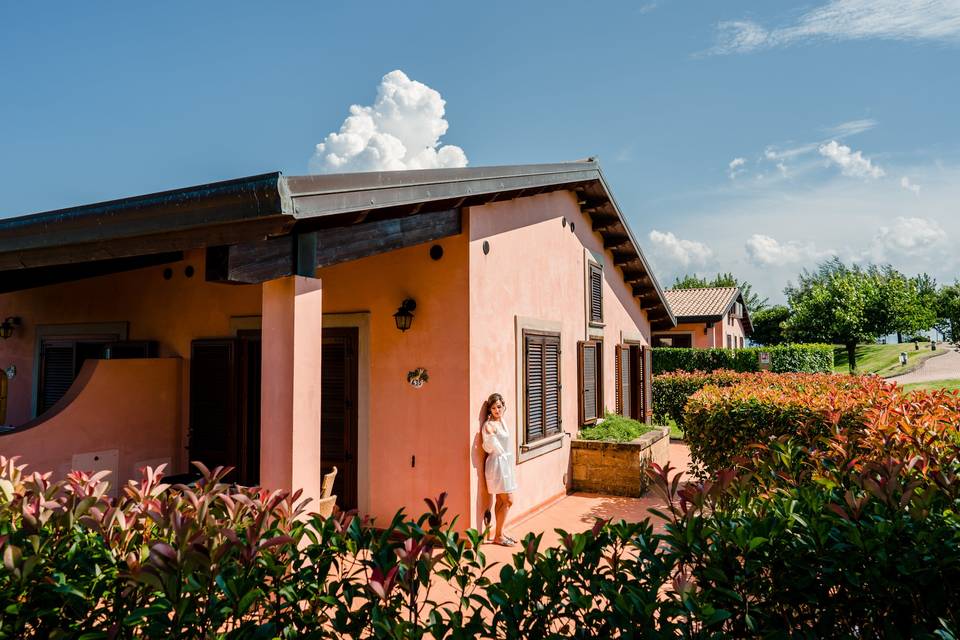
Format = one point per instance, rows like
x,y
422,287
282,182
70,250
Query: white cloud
x,y
401,130
735,167
766,251
908,237
851,163
936,20
852,127
678,251
909,186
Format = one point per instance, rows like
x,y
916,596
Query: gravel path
x,y
943,367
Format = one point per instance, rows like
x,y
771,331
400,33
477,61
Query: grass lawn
x,y
675,432
884,359
949,385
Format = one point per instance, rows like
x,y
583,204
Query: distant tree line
x,y
847,305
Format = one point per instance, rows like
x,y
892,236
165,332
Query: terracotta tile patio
x,y
578,511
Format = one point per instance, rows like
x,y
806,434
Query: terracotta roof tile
x,y
709,301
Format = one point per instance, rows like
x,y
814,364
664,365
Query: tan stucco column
x,y
290,385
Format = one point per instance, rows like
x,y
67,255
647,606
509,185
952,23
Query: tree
x,y
923,311
848,305
948,311
750,298
768,325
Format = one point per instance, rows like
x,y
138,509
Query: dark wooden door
x,y
215,435
338,411
250,359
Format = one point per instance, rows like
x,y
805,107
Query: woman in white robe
x,y
500,467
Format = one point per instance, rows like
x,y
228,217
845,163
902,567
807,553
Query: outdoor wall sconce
x,y
403,317
7,327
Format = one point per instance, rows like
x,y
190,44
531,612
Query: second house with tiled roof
x,y
707,318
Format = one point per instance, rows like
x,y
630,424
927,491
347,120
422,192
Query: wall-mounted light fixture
x,y
7,326
403,317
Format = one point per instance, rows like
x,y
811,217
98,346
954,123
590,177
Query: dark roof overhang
x,y
269,206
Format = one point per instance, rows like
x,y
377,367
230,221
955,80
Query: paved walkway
x,y
942,367
578,511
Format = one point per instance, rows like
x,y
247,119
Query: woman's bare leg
x,y
504,502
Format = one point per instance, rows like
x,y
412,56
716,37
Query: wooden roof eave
x,y
597,202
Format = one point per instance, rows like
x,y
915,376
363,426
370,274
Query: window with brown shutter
x,y
623,376
61,359
596,293
541,372
590,365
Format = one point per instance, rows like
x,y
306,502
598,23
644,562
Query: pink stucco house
x,y
277,324
707,318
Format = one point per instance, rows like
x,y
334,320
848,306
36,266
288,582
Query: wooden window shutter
x,y
56,372
590,390
623,380
541,371
596,293
551,385
533,377
646,375
618,380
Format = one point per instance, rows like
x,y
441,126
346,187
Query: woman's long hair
x,y
493,399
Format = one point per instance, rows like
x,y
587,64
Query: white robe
x,y
499,469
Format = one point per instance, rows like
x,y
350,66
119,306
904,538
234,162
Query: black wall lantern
x,y
7,327
403,317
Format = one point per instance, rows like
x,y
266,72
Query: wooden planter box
x,y
617,468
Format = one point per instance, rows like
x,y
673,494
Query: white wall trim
x,y
362,322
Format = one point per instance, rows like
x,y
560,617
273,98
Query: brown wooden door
x,y
249,385
214,411
338,411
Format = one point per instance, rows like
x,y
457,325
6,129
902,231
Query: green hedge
x,y
672,390
786,358
722,421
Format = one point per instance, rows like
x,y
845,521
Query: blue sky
x,y
840,117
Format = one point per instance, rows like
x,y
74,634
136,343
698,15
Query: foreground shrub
x,y
815,542
615,428
672,390
828,540
721,422
785,358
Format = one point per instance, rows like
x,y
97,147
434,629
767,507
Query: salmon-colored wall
x,y
428,423
173,312
128,406
536,269
713,338
290,385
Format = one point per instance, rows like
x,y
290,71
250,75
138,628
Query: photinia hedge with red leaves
x,y
844,523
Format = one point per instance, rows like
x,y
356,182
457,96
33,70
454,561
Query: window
x,y
623,376
595,293
61,350
677,340
729,342
590,365
541,373
61,358
633,383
